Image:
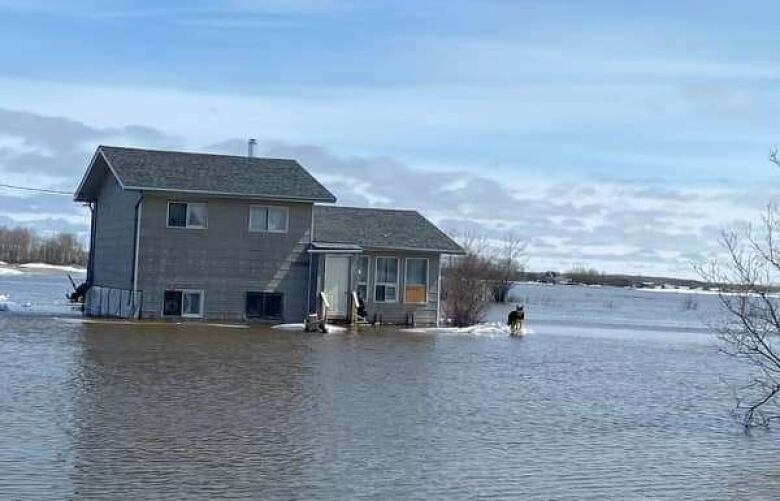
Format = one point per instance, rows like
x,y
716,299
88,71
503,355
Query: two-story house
x,y
197,236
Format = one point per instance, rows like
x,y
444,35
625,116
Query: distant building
x,y
194,236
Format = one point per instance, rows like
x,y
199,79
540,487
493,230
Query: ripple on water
x,y
105,411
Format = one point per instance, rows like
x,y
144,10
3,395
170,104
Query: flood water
x,y
605,408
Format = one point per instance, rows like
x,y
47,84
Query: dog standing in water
x,y
515,321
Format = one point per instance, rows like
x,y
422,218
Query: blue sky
x,y
614,134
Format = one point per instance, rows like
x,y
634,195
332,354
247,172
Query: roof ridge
x,y
181,152
209,173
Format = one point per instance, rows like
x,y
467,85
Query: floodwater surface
x,y
150,411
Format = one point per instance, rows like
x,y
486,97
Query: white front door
x,y
337,285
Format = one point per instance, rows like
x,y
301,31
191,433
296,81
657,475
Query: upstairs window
x,y
265,305
187,215
416,286
183,303
386,277
268,219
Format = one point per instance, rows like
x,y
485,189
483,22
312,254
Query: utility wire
x,y
39,190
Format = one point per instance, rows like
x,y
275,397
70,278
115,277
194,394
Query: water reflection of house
x,y
185,235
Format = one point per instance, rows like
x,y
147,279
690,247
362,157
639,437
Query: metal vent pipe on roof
x,y
251,148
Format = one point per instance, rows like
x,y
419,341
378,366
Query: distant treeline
x,y
23,245
591,276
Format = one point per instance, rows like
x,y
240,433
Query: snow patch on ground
x,y
6,272
490,329
53,267
682,291
6,305
332,329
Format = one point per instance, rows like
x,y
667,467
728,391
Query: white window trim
x,y
397,278
368,270
367,281
202,302
427,277
184,291
187,225
286,218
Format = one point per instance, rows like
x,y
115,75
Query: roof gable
x,y
89,187
380,229
155,170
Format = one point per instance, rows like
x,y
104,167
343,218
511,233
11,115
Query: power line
x,y
39,190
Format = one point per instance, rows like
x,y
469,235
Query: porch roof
x,y
335,248
380,229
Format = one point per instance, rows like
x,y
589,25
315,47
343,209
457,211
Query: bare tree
x,y
508,263
21,245
747,278
464,281
584,275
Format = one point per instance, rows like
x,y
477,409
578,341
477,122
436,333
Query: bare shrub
x,y
463,282
486,272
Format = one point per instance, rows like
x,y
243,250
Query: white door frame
x,y
339,306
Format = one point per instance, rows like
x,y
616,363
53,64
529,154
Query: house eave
x,y
225,194
77,195
417,249
399,248
334,248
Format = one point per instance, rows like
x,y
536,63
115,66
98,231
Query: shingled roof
x,y
380,229
141,169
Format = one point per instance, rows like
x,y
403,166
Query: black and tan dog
x,y
515,321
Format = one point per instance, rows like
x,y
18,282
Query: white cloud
x,y
81,220
647,226
382,117
356,186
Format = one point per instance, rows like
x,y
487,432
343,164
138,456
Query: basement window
x,y
264,305
186,303
187,215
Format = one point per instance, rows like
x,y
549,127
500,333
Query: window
x,y
187,215
416,285
183,303
264,305
386,289
268,219
362,277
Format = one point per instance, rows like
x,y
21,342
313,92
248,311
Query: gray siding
x,y
399,312
225,260
114,235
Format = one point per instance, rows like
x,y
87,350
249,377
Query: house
x,y
227,238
